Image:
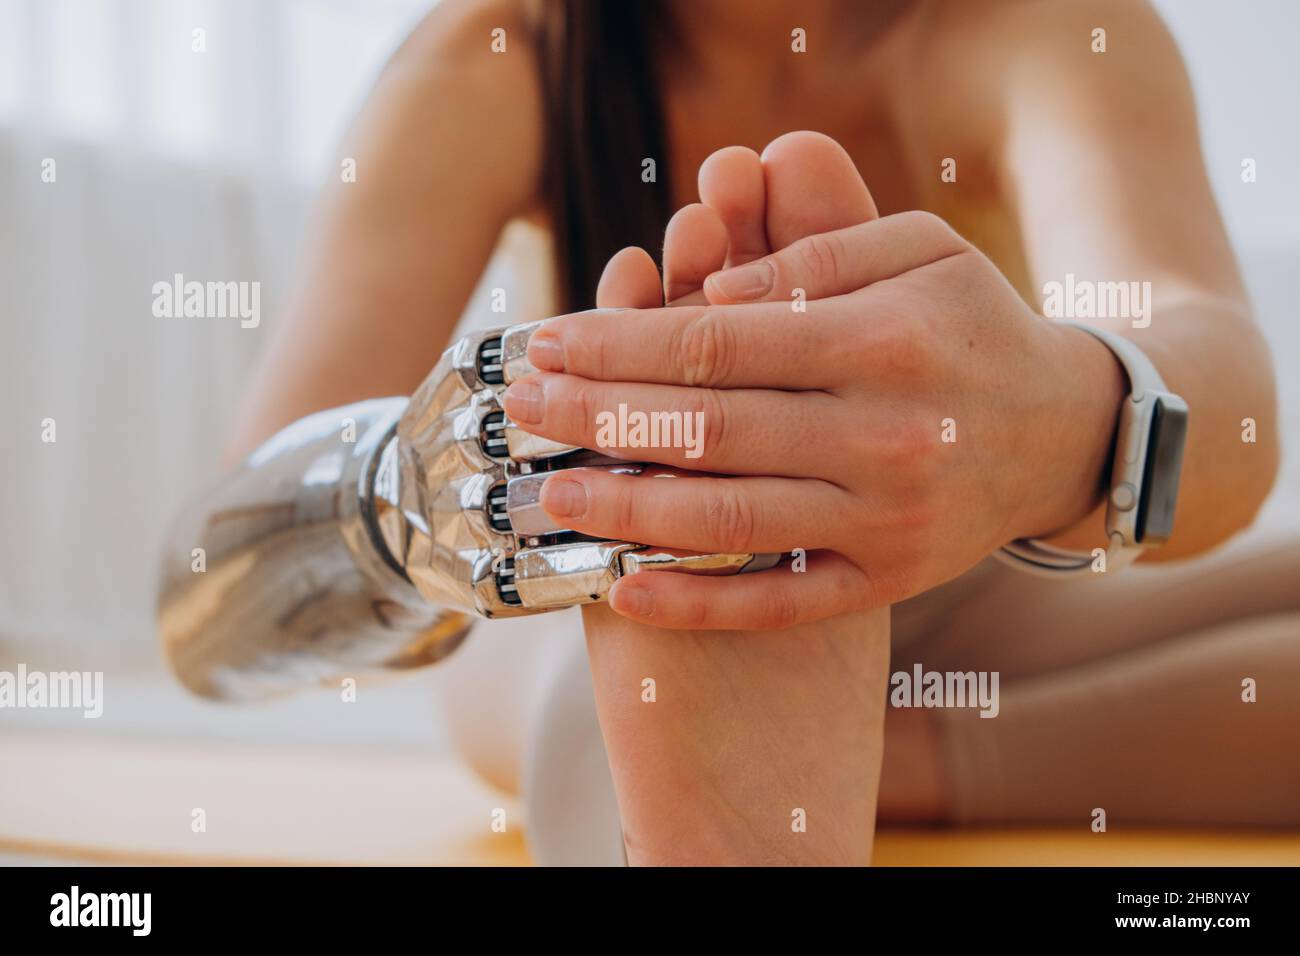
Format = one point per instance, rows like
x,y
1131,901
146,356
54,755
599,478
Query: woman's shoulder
x,y
473,34
485,49
991,43
975,63
465,85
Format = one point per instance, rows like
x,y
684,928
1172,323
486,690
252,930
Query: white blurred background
x,y
167,160
173,161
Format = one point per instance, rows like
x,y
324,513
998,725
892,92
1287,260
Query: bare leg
x,y
732,747
758,747
1123,693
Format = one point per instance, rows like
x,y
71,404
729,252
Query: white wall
x,y
1244,60
167,159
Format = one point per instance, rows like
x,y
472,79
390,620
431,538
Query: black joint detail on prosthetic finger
x,y
489,366
506,583
498,515
492,438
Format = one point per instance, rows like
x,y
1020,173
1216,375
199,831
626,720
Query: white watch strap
x,y
1039,558
1044,560
1142,374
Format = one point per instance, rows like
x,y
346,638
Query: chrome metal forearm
x,y
274,578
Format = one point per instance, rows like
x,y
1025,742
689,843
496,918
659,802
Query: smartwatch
x,y
1148,459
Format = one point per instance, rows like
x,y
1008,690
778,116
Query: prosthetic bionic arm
x,y
322,557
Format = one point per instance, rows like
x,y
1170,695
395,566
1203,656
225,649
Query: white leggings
x,y
1124,693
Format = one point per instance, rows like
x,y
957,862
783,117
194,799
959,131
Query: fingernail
x,y
564,498
523,402
546,352
632,600
750,281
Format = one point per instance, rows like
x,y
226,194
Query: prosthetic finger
x,y
465,514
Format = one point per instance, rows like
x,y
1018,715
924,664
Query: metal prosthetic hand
x,y
456,497
323,556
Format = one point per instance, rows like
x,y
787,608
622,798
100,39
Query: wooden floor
x,y
1057,846
121,800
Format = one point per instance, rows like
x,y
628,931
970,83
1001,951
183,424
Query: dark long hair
x,y
603,119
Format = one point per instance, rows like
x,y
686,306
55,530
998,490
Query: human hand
x,y
912,417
